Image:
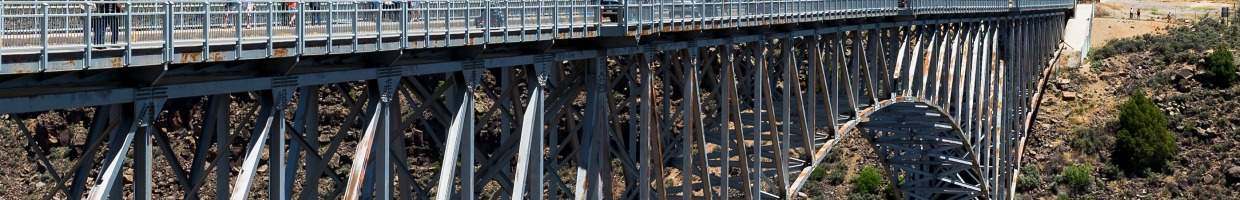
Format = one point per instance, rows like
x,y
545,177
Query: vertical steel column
x,y
1000,131
472,82
844,73
993,91
759,59
959,71
930,89
223,149
784,138
651,139
147,111
214,125
602,131
868,54
276,151
814,50
603,156
687,121
118,142
729,65
955,68
889,38
387,98
645,117
105,120
725,117
697,133
827,74
588,169
663,121
360,182
556,182
968,88
979,108
947,71
461,132
531,147
924,59
630,161
911,59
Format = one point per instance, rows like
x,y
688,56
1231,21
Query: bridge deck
x,y
48,36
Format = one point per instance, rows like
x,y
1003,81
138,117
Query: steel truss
x,y
943,101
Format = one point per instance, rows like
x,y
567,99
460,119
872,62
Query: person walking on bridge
x,y
108,18
315,10
291,8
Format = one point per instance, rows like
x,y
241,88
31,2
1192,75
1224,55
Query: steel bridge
x,y
529,99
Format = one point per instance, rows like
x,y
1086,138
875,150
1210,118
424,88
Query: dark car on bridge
x,y
612,10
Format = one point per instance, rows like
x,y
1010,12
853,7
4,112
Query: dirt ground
x,y
1162,10
1113,21
1107,29
1079,108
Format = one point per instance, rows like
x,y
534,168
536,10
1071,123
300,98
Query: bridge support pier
x,y
942,101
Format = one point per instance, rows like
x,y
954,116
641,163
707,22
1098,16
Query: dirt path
x,y
1162,9
1107,29
1112,18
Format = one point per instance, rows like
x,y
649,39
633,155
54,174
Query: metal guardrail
x,y
46,27
740,13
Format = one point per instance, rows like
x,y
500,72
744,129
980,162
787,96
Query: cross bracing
x,y
741,112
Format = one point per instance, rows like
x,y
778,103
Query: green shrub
x,y
1220,68
819,173
836,176
869,181
1110,171
832,173
1030,178
1180,44
1143,141
1077,177
1087,141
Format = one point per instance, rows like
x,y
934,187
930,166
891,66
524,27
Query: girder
x,y
748,115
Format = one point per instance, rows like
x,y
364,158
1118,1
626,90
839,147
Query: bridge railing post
x,y
206,30
87,34
301,26
167,33
3,29
43,26
269,26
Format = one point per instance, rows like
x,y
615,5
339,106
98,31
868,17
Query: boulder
x,y
1063,82
1233,174
1069,96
